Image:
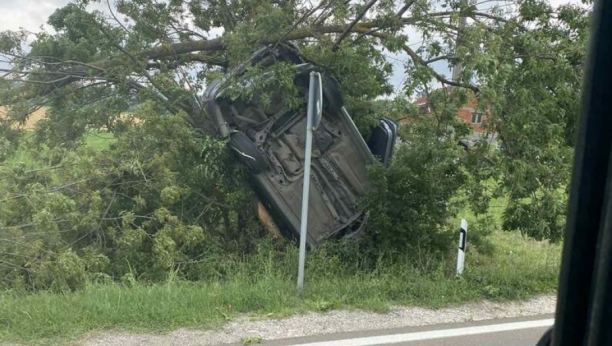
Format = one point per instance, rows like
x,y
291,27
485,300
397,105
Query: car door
x,y
382,140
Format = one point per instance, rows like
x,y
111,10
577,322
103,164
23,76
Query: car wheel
x,y
333,98
248,153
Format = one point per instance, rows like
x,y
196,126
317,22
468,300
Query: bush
x,y
157,201
479,232
412,201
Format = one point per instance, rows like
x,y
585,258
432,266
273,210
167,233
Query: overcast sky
x,y
32,14
29,14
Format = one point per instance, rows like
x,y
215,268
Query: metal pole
x,y
306,183
462,243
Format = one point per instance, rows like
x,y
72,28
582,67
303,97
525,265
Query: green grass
x,y
99,139
266,286
96,139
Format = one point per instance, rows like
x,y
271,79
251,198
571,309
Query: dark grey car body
x,y
270,141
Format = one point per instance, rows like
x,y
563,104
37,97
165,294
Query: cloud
x,y
27,14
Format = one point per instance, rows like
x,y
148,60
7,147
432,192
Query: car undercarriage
x,y
269,139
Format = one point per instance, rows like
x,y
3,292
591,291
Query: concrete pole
x,y
462,23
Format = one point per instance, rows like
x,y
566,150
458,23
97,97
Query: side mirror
x,y
315,100
382,140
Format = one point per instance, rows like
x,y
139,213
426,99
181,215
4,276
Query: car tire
x,y
333,98
248,152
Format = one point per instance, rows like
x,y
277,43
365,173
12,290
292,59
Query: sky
x,y
29,14
32,14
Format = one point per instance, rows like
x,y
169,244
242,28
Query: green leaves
x,y
532,10
157,197
413,199
540,217
10,41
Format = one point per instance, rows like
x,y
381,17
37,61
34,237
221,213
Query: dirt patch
x,y
33,119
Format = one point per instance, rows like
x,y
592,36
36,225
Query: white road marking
x,y
434,334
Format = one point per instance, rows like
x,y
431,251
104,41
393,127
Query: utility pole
x,y
457,67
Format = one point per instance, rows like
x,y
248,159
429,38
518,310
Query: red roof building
x,y
468,113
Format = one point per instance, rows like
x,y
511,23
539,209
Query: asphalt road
x,y
506,332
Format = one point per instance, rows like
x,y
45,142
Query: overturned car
x,y
269,139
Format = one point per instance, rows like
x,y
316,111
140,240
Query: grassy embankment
x,y
264,285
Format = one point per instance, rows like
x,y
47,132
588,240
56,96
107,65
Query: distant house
x,y
468,113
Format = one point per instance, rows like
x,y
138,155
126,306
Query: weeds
x,y
264,284
250,340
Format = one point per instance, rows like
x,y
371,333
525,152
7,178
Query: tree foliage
x,y
414,198
167,187
157,200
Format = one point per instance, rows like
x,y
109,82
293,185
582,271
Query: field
x,y
100,140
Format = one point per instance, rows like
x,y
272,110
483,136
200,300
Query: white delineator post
x,y
314,105
462,243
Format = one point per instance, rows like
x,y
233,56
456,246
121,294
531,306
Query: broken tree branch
x,y
420,61
442,57
353,23
78,71
405,8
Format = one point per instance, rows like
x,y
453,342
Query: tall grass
x,y
265,284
